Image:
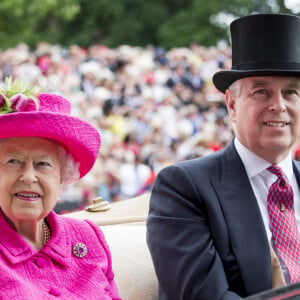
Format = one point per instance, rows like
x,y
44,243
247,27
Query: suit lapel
x,y
296,168
245,224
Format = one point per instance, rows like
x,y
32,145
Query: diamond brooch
x,y
80,250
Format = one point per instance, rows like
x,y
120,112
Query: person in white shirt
x,y
217,224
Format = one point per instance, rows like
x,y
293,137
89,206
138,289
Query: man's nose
x,y
277,103
28,174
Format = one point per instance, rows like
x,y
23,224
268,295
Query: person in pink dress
x,y
42,148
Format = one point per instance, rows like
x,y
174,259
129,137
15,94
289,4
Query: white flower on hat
x,y
16,95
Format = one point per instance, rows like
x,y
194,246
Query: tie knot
x,y
276,171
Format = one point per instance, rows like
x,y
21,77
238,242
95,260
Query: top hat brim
x,y
223,79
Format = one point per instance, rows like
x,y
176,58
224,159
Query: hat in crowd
x,y
26,113
262,45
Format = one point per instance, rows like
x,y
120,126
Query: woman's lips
x,y
28,196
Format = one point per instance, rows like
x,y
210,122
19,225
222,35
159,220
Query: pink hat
x,y
48,116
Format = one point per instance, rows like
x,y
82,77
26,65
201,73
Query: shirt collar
x,y
255,165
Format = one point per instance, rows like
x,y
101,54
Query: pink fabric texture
x,y
283,222
53,121
55,271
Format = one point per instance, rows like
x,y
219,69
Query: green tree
x,y
115,22
21,20
168,23
198,22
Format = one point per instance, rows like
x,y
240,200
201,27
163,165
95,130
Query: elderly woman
x,y
44,255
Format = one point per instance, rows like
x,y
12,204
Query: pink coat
x,y
55,271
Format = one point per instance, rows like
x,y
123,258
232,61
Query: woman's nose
x,y
28,175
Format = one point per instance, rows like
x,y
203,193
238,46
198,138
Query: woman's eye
x,y
43,164
13,161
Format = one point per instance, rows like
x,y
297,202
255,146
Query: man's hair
x,y
236,87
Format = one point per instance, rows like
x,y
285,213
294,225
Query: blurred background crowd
x,y
152,107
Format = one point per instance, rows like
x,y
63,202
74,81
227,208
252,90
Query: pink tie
x,y
283,222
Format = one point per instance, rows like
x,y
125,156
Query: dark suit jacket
x,y
205,231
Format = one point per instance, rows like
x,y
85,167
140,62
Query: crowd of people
x,y
152,106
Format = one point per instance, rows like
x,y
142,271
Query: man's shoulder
x,y
201,165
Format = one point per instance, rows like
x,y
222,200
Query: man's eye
x,y
291,92
260,92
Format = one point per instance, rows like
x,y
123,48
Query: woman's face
x,y
30,178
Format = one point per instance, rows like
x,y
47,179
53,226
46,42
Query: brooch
x,y
80,250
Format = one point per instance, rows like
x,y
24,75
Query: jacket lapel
x,y
296,168
245,225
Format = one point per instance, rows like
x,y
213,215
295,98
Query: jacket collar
x,y
59,245
15,249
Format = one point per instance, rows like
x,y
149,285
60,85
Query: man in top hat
x,y
226,226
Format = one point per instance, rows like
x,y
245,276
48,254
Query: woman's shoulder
x,y
80,226
76,229
84,232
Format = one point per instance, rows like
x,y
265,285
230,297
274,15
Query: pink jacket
x,y
55,271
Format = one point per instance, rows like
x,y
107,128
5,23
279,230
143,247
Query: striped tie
x,y
283,222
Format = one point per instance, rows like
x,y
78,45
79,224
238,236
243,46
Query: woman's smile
x,y
28,196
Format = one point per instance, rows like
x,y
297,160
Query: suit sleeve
x,y
179,239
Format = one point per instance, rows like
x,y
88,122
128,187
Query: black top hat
x,y
262,45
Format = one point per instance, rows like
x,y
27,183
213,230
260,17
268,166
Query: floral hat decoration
x,y
24,112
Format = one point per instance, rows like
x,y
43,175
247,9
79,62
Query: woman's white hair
x,y
69,168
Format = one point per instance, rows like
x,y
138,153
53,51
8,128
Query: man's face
x,y
265,115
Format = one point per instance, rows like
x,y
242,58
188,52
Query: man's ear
x,y
230,99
